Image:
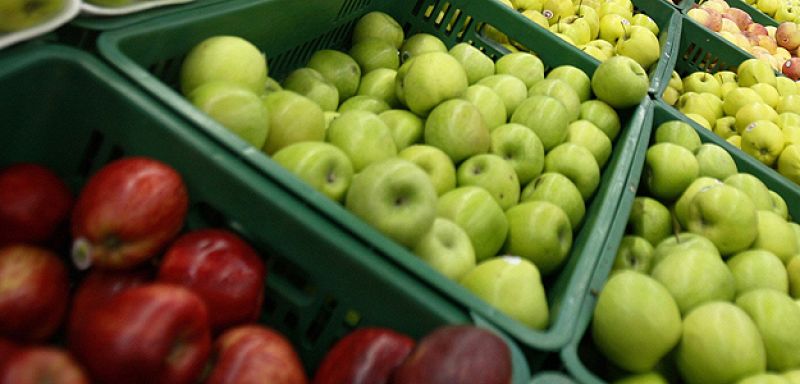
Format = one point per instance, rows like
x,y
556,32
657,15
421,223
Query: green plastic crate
x,y
322,282
684,5
580,357
551,377
755,13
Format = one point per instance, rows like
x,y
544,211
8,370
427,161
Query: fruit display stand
x,y
669,22
151,53
580,357
322,282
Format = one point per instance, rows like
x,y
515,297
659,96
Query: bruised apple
x,y
365,356
127,212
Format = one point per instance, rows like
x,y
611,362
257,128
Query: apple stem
x,y
81,253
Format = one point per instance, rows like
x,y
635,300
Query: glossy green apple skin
x,y
561,91
557,189
620,81
378,25
406,127
681,206
513,285
447,249
236,108
477,212
371,54
764,378
669,169
634,253
363,136
364,103
419,44
694,278
720,344
489,103
427,80
549,245
680,243
435,163
457,127
224,58
17,15
396,197
546,116
678,132
522,65
602,115
322,165
636,321
379,83
520,146
715,162
576,163
493,174
758,268
476,64
642,378
339,68
292,118
576,78
726,216
310,83
775,235
650,219
777,317
587,135
510,88
779,206
793,271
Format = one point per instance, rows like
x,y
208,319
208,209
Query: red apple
x,y
127,212
34,202
738,16
364,356
457,354
255,354
99,286
222,269
34,292
757,29
153,333
791,68
7,347
42,364
709,18
787,35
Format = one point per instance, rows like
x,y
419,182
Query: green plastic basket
x,y
151,53
756,14
322,282
551,377
580,357
684,5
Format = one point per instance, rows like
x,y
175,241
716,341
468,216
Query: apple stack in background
x,y
448,153
708,273
753,109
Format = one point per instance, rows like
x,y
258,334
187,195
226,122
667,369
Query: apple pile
x,y
781,11
452,155
18,15
753,109
602,29
778,46
705,286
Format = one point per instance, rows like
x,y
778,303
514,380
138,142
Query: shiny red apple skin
x,y
128,212
99,286
154,333
364,356
34,204
223,269
34,292
791,68
42,364
254,353
7,348
457,354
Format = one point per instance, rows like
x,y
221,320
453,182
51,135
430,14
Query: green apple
x,y
513,285
489,103
753,187
476,64
789,163
642,378
678,132
575,78
577,164
405,127
589,14
622,8
537,17
793,273
620,81
235,107
792,376
477,212
322,165
779,206
339,68
693,103
599,49
681,243
510,88
719,344
419,44
17,15
640,44
778,320
753,112
378,25
702,82
768,93
330,116
548,246
556,10
520,147
576,28
396,197
446,248
786,86
559,190
310,83
758,268
796,229
364,103
669,169
645,21
699,119
715,161
695,277
224,58
427,80
649,219
726,216
587,135
601,115
435,163
725,127
634,301
790,125
788,103
612,27
681,207
764,378
562,92
755,71
292,118
363,136
726,77
457,127
522,65
634,253
379,83
371,54
271,85
775,235
546,116
763,140
492,173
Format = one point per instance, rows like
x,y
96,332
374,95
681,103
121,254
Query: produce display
x,y
706,273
